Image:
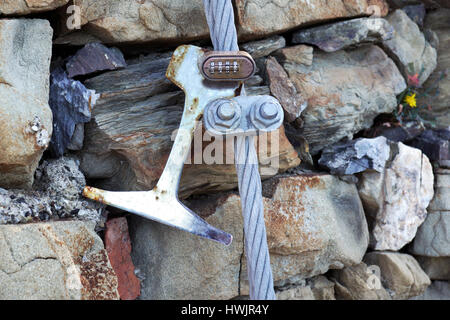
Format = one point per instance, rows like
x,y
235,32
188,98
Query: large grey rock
x,y
433,236
401,274
314,223
179,265
438,290
307,230
357,156
262,48
345,91
25,117
56,195
339,35
438,85
409,48
54,261
396,199
437,268
359,282
441,199
20,7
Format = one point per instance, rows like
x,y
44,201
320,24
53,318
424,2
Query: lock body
x,y
227,66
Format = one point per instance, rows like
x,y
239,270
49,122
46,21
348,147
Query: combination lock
x,y
227,65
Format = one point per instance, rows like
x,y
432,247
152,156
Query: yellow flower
x,y
410,99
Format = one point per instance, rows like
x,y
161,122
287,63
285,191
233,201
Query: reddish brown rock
x,y
282,88
118,246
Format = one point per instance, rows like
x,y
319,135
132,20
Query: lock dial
x,y
227,66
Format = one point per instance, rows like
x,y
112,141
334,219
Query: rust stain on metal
x,y
238,90
90,104
94,194
175,63
194,105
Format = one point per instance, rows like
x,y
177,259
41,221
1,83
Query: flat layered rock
x,y
345,91
255,19
262,48
134,121
437,268
339,35
409,48
434,143
313,222
439,82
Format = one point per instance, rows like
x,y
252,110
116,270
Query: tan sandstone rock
x,y
359,282
54,261
20,7
25,117
159,20
258,19
400,274
317,288
314,223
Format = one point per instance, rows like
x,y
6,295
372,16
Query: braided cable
x,y
220,18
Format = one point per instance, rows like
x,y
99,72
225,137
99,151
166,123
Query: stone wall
x,y
355,181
